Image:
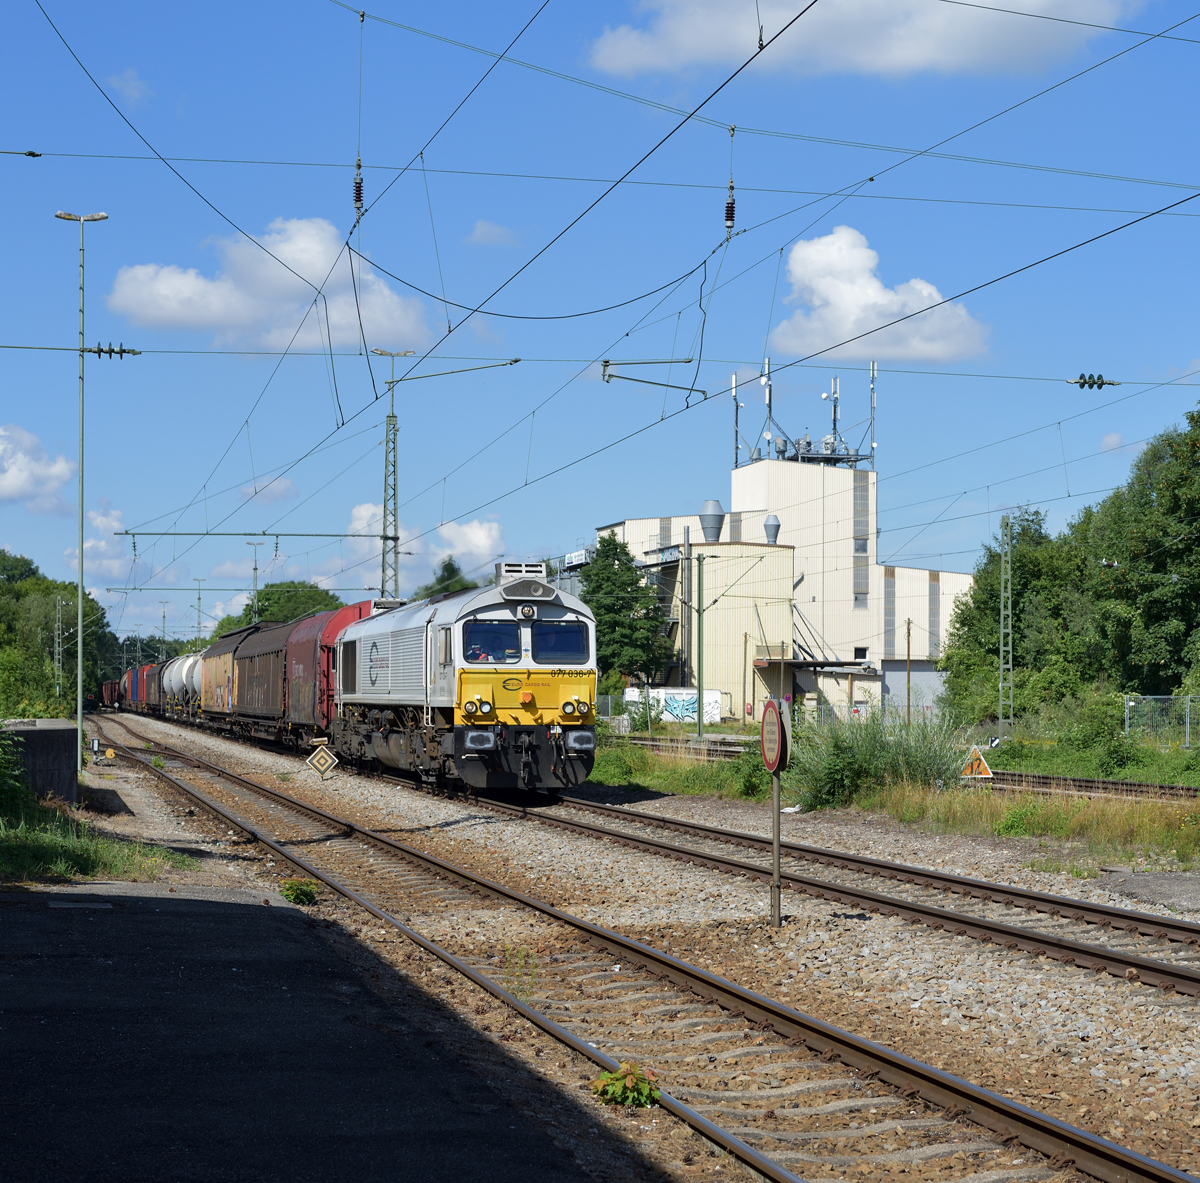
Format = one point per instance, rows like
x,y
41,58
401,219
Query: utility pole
x,y
908,671
162,653
198,583
254,602
685,665
58,647
1005,715
699,646
390,563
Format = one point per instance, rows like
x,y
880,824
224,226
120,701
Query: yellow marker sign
x,y
322,762
110,754
976,765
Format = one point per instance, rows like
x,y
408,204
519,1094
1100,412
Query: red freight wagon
x,y
311,682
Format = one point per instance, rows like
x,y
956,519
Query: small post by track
x,y
776,751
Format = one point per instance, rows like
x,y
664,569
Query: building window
x,y
860,653
860,599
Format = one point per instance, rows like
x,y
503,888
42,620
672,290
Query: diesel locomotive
x,y
491,687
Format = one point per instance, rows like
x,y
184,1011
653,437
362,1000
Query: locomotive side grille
x,y
407,652
349,664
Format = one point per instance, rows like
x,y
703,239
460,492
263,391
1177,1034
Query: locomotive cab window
x,y
560,642
349,666
445,649
492,642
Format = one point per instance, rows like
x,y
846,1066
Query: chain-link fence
x,y
1161,719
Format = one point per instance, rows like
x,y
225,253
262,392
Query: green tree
x,y
630,621
449,577
1110,604
16,568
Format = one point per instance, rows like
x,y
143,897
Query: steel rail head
x,y
753,1158
1061,1142
1086,910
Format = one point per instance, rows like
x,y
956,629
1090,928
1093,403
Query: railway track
x,y
728,747
779,1090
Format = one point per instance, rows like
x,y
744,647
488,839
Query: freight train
x,y
491,687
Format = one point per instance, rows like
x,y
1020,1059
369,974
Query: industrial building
x,y
787,593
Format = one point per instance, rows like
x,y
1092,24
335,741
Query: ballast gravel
x,y
1117,1058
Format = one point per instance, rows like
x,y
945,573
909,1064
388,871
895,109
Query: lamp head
x,y
66,217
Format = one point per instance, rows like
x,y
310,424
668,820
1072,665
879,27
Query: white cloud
x,y
106,555
253,298
231,607
881,37
1112,441
836,277
28,474
472,543
491,234
129,86
280,489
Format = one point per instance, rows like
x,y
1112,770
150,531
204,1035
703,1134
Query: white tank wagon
x,y
493,686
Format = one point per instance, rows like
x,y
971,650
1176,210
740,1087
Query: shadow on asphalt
x,y
201,1040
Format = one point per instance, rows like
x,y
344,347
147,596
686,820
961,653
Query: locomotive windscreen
x,y
492,641
560,642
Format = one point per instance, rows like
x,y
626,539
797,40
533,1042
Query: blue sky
x,y
258,110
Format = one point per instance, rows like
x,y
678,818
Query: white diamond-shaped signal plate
x,y
322,761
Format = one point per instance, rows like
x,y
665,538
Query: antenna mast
x,y
874,371
736,445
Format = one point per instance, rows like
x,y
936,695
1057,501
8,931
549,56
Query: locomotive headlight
x,y
485,707
568,708
470,707
528,611
583,707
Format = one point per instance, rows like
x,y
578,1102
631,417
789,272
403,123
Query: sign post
x,y
776,751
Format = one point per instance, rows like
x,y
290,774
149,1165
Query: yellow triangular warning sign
x,y
976,765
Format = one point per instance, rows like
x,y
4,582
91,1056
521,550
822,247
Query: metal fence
x,y
1164,720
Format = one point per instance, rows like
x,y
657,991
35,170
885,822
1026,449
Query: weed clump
x,y
302,892
628,1085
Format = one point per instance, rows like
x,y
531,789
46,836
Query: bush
x,y
638,714
835,760
750,776
611,768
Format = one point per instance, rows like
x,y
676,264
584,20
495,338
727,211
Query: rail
x,y
1063,1144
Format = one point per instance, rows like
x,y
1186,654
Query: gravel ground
x,y
1113,1057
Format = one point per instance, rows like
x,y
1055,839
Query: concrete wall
x,y
45,750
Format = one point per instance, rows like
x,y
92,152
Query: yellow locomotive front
x,y
526,690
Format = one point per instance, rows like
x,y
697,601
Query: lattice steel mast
x,y
1005,717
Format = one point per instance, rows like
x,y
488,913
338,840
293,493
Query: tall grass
x,y
43,840
835,760
619,763
1108,827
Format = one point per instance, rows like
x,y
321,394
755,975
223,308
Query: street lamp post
x,y
80,218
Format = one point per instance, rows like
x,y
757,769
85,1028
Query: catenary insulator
x,y
729,214
358,193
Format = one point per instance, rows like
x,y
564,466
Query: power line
x,y
1062,20
723,124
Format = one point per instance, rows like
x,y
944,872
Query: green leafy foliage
x,y
286,600
449,577
630,621
40,839
630,1084
302,892
835,760
1111,600
28,609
